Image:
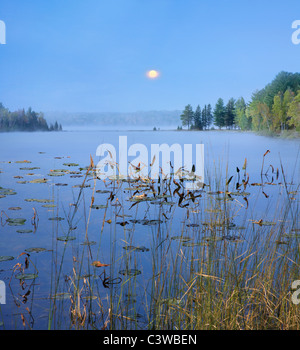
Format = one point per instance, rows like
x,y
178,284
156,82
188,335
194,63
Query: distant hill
x,y
149,119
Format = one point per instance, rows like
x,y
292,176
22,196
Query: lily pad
x,y
6,258
181,238
66,238
56,174
7,191
191,244
49,206
38,181
39,200
88,243
26,276
103,191
16,222
56,218
70,164
22,161
14,208
35,250
138,248
99,206
130,272
24,231
30,168
61,296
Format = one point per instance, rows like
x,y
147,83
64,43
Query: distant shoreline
x,y
287,134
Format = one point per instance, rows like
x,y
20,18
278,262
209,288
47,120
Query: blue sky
x,y
92,55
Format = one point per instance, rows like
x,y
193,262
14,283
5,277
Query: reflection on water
x,y
79,252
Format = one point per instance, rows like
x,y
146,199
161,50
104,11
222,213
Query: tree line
x,y
25,121
276,107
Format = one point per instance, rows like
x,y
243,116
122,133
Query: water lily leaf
x,y
66,238
49,206
70,164
56,174
22,161
24,231
103,191
56,218
89,297
191,244
61,296
233,238
14,208
6,258
244,194
130,272
26,276
35,250
7,191
138,248
99,206
88,243
181,238
30,168
16,222
39,200
264,223
38,181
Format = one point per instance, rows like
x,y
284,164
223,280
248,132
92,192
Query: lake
x,y
90,256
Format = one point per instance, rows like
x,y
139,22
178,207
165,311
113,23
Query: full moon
x,y
152,74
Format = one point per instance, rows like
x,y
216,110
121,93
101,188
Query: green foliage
x,y
276,107
24,121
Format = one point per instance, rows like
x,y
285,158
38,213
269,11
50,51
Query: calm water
x,y
71,151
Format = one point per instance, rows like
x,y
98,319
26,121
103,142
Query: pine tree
x,y
209,116
219,113
187,116
229,113
204,117
197,118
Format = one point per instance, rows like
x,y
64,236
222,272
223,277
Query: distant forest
x,y
25,121
274,108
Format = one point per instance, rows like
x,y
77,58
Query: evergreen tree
x,y
219,113
204,117
197,119
187,116
229,113
209,116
